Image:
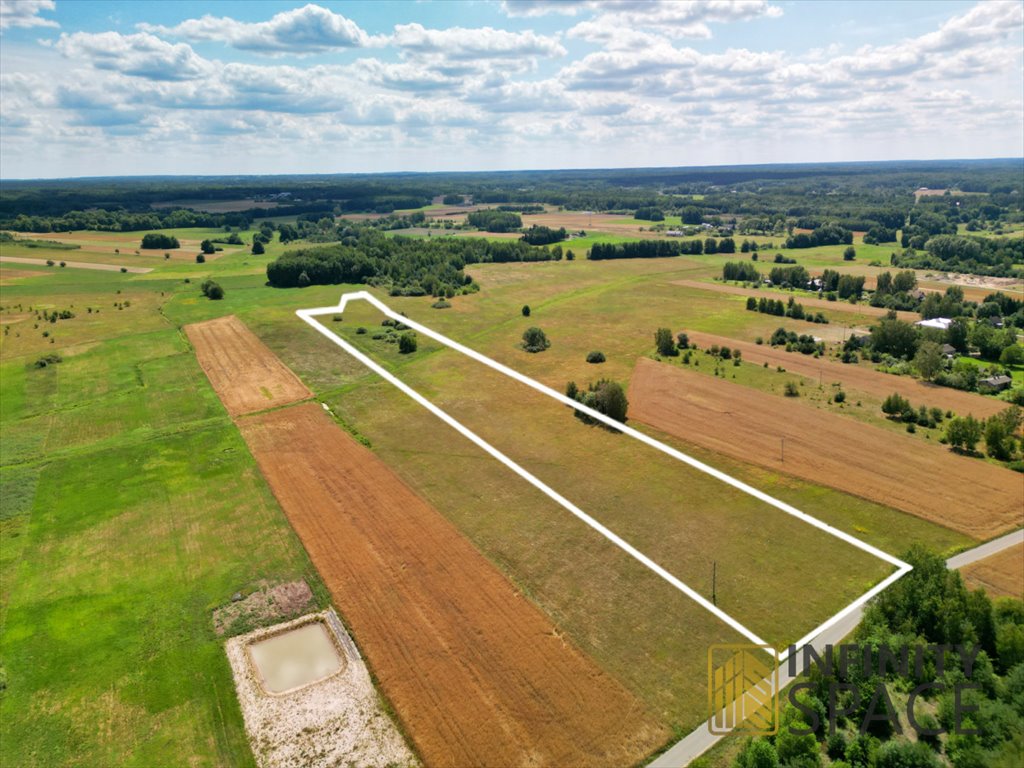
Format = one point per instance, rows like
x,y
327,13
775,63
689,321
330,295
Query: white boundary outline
x,y
309,315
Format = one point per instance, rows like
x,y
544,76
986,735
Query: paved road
x,y
76,264
701,739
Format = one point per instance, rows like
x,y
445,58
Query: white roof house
x,y
942,323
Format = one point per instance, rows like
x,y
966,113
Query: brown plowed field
x,y
1001,575
835,306
245,373
858,378
477,674
967,495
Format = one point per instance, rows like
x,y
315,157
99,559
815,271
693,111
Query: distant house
x,y
948,351
942,323
994,383
676,233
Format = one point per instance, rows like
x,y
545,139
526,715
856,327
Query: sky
x,y
222,87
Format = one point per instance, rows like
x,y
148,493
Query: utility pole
x,y
714,579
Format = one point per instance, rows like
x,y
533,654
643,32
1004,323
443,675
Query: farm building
x,y
994,383
949,351
942,323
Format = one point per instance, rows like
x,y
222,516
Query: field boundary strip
x,y
309,316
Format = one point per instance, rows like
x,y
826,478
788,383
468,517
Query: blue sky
x,y
112,88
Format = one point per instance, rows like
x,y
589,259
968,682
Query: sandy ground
x,y
75,265
968,495
808,303
1001,575
245,373
477,674
858,378
339,721
1009,285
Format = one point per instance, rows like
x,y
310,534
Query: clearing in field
x,y
858,458
477,674
1001,575
307,698
244,372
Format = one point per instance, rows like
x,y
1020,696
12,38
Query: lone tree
x,y
257,248
526,310
535,340
207,246
663,341
850,253
200,258
928,359
407,343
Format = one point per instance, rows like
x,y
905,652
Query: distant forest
x,y
830,200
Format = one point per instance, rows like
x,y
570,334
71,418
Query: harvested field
x,y
245,373
76,265
217,206
477,674
967,495
859,378
835,306
1001,575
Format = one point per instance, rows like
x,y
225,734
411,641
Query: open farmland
x,y
857,377
477,674
810,302
609,476
1000,575
244,372
964,494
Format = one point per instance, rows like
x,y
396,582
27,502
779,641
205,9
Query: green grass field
x,y
132,508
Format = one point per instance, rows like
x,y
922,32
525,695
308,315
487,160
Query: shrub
x,y
792,389
526,310
212,290
535,340
257,248
595,357
124,270
360,330
45,360
682,341
839,397
207,246
407,343
441,304
337,318
200,258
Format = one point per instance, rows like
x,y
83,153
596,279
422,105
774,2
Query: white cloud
x,y
462,43
533,8
25,13
306,30
140,55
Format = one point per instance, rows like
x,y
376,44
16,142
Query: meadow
x,y
132,508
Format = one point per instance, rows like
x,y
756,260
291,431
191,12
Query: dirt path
x,y
859,378
477,674
967,495
835,306
247,376
76,265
